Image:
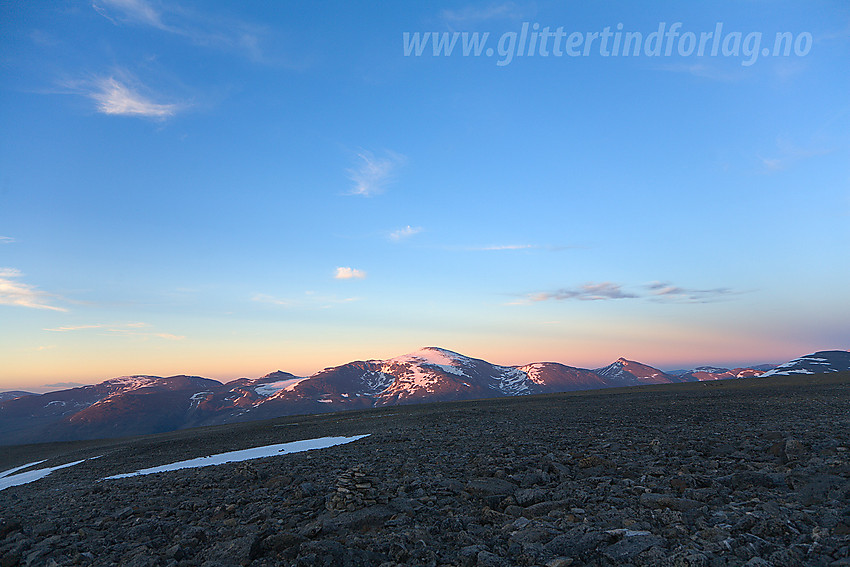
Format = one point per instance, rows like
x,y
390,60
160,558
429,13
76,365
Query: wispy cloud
x,y
131,329
308,300
373,173
203,29
504,247
135,11
470,15
405,232
116,98
349,274
168,336
664,291
263,298
772,164
511,247
711,72
14,292
64,385
588,292
656,291
69,328
7,240
787,154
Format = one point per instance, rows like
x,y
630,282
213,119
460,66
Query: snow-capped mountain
x,y
132,405
817,363
435,374
624,372
708,373
127,405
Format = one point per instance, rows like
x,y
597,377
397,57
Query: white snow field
x,y
8,478
246,455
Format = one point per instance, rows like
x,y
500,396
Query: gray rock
x,y
490,486
529,496
371,517
630,547
577,542
487,559
651,500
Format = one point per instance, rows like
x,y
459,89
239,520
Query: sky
x,y
226,189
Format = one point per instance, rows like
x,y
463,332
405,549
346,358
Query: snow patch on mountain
x,y
816,363
271,388
513,381
534,372
377,382
127,383
445,360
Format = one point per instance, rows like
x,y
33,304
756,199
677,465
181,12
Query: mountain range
x,y
134,405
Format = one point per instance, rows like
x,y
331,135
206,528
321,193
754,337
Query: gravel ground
x,y
748,472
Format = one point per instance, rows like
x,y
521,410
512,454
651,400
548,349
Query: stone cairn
x,y
355,489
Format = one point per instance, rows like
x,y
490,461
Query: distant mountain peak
x,y
815,363
435,356
625,370
425,351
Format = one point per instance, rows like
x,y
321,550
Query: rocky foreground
x,y
747,472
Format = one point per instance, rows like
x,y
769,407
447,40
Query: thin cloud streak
x,y
588,292
136,11
263,298
510,247
142,334
7,240
225,33
504,247
119,329
13,292
712,73
660,292
64,385
311,300
70,328
666,292
471,15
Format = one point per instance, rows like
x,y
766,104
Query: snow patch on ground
x,y
245,455
6,473
9,479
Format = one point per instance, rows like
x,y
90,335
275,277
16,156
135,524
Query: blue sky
x,y
224,188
